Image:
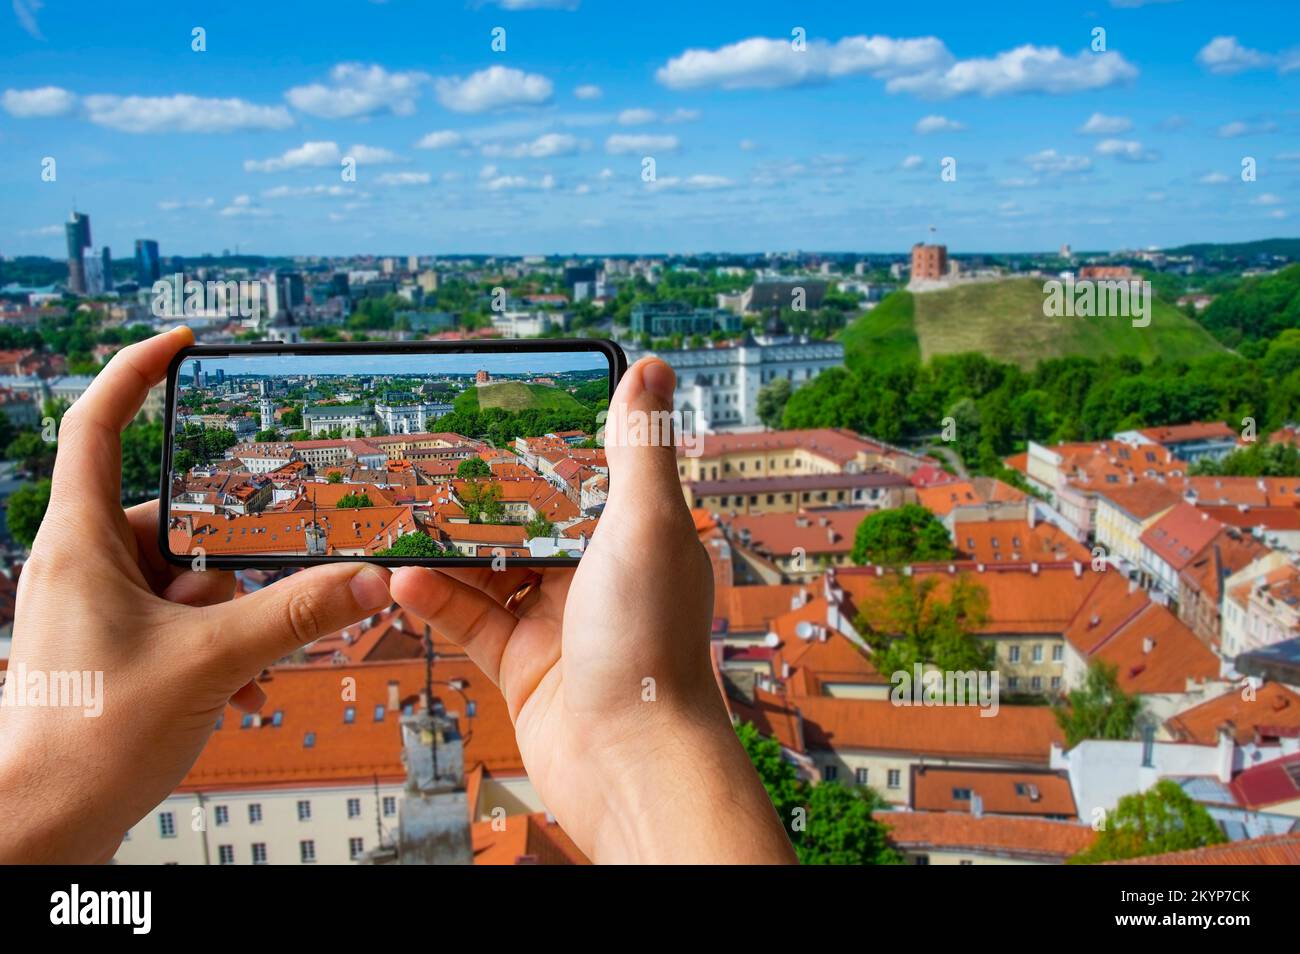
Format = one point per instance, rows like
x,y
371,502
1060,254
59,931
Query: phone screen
x,y
398,454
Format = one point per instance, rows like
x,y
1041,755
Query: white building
x,y
719,386
410,418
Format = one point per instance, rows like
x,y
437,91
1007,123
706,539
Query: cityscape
x,y
989,347
280,456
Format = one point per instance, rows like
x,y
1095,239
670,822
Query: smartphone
x,y
396,453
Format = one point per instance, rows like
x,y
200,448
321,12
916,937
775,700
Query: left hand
x,y
97,597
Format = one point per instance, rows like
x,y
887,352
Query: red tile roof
x,y
1180,535
1270,710
1001,791
1029,838
1269,850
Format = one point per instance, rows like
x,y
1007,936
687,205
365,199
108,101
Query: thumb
x,y
259,629
640,438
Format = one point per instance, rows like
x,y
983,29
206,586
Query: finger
x,y
643,479
462,613
142,519
257,630
200,588
88,467
250,698
498,584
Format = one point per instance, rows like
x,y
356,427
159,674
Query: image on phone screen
x,y
284,458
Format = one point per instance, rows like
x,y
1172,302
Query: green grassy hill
x,y
517,396
1004,320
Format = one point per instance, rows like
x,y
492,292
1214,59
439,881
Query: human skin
x,y
606,670
629,780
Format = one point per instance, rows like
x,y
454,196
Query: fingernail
x,y
183,330
369,587
659,380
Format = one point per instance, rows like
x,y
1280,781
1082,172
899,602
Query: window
x,y
1038,653
349,715
829,772
1058,653
1013,654
922,859
860,776
246,721
965,861
309,740
379,713
304,810
277,719
390,805
1036,683
354,808
961,794
895,778
255,813
356,847
1013,683
1056,682
225,854
307,851
259,852
167,824
223,815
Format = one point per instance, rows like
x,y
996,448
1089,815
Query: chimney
x,y
1226,749
1132,584
1148,644
394,695
976,805
1031,516
1078,570
1033,568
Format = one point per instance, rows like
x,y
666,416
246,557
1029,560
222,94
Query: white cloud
x,y
1025,69
682,116
699,182
45,101
355,89
297,192
182,113
621,144
1019,182
1267,198
763,63
543,147
1099,124
1051,162
241,206
172,205
25,11
496,87
373,155
1224,55
308,154
442,139
912,162
637,117
587,91
1129,150
748,145
404,178
518,183
1212,178
536,4
934,124
1234,129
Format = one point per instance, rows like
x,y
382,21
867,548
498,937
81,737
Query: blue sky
x,y
539,148
544,363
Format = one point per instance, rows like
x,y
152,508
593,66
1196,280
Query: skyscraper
x,y
107,257
148,266
78,230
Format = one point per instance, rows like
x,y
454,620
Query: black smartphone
x,y
426,453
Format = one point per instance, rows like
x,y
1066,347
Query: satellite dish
x,y
803,629
771,640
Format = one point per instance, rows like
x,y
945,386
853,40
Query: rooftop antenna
x,y
428,696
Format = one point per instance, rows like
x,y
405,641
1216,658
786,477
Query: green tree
x,y
32,454
772,399
778,776
267,436
1099,709
417,545
334,477
908,622
1163,818
473,468
352,501
906,534
142,443
842,828
26,510
539,527
482,502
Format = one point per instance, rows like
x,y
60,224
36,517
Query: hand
x,y
96,596
607,676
